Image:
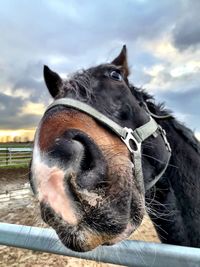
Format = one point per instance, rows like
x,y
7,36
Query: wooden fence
x,y
10,156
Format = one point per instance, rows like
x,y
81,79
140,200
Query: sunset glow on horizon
x,y
21,135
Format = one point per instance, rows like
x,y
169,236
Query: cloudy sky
x,y
162,37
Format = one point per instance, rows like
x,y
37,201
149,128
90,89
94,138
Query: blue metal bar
x,y
129,253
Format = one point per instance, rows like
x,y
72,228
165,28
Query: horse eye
x,y
115,75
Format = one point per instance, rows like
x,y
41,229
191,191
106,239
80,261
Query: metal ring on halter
x,y
136,146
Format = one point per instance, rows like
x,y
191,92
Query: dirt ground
x,y
18,206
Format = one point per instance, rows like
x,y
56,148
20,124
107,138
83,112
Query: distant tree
x,y
17,139
8,139
26,140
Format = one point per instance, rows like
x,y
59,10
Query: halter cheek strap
x,y
132,138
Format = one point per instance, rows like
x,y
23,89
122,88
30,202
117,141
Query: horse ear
x,y
121,60
52,80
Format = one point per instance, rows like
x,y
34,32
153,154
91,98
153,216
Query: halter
x,y
167,116
132,138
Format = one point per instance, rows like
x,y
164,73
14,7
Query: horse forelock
x,y
78,85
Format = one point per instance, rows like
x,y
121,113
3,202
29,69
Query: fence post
x,y
6,155
10,157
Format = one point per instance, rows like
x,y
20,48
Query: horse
x,y
104,152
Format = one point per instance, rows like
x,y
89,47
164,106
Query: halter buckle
x,y
164,136
131,141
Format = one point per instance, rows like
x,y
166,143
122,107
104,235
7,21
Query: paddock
x,y
18,207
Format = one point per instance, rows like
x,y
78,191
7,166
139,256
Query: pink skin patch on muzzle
x,y
51,190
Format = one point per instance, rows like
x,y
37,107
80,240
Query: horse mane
x,y
160,109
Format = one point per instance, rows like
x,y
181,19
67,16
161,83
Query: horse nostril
x,y
78,153
93,167
86,161
68,152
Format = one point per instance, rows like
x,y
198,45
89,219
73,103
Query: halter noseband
x,y
132,138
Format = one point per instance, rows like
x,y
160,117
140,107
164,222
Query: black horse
x,y
90,187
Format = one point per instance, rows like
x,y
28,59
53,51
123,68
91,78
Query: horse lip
x,y
130,228
78,239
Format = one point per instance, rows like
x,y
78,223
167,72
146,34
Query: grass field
x,y
12,144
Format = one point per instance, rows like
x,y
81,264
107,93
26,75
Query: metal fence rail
x,y
128,253
10,156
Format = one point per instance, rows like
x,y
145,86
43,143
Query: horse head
x,y
82,172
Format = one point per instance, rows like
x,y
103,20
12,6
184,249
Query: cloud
x,y
24,121
186,33
72,29
197,135
12,116
31,81
10,105
33,108
185,105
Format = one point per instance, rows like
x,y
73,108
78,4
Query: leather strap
x,y
69,102
140,134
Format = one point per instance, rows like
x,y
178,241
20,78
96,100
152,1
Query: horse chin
x,y
78,239
84,236
82,239
130,228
